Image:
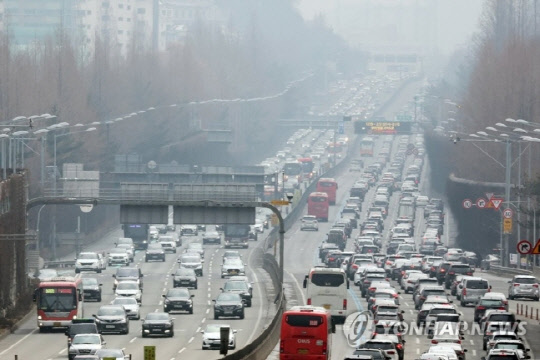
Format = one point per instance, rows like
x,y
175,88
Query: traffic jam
x,y
386,260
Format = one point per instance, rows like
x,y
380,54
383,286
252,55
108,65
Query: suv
x,y
473,289
506,354
442,270
456,269
154,251
191,261
309,222
128,274
523,286
89,261
80,326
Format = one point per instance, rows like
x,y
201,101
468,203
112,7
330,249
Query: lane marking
x,y
299,288
62,351
181,350
191,340
198,329
18,342
132,340
203,320
207,310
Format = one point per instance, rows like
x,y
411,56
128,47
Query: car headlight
x,y
239,306
115,282
167,301
216,306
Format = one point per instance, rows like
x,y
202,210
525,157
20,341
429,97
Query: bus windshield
x,y
318,199
57,299
327,184
236,230
332,280
304,320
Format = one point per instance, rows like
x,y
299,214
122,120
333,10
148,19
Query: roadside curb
x,y
18,324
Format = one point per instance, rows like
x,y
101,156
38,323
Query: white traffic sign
x,y
524,247
86,208
496,202
508,213
481,203
467,203
489,196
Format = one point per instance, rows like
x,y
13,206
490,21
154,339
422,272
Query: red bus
x,y
306,333
318,205
59,300
307,167
329,186
366,146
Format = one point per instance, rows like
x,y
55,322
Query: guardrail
x,y
508,270
58,264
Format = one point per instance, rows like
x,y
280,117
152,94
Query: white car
x,y
258,226
129,251
440,350
309,222
232,267
131,305
129,289
422,200
211,336
85,344
88,261
118,256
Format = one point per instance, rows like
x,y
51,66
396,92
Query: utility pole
x,y
506,236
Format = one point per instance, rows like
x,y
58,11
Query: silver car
x,y
309,222
131,306
84,344
232,267
523,286
211,336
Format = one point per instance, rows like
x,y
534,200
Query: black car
x,y
91,289
228,304
456,269
238,287
112,319
184,277
178,300
80,326
211,237
442,270
158,323
487,304
128,274
325,247
154,252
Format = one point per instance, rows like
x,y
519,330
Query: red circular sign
x,y
481,203
524,247
508,213
467,204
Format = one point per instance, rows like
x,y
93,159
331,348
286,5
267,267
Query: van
x,y
473,290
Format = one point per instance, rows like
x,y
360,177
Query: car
x,y
189,230
80,326
184,277
440,350
129,251
154,251
231,267
195,247
211,237
91,289
191,261
162,229
231,254
513,345
523,286
129,288
369,354
88,261
244,279
178,300
112,319
389,347
309,222
158,323
128,274
238,287
211,336
168,246
126,241
131,306
153,232
500,335
472,290
499,354
118,256
228,304
117,354
85,344
454,270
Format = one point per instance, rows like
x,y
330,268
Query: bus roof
x,y
327,179
323,194
326,270
305,159
307,309
60,281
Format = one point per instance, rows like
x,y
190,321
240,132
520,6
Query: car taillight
x,y
344,304
451,273
281,346
324,347
388,263
410,281
434,342
399,346
355,266
370,289
516,284
331,259
442,270
421,298
366,281
535,285
458,341
481,308
375,321
501,308
391,352
402,273
469,273
395,295
464,292
309,301
433,268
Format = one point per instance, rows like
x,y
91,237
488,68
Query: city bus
x,y
366,146
293,169
318,205
329,288
236,235
307,167
328,186
306,333
139,234
59,300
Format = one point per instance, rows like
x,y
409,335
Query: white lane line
x,y
209,303
164,289
417,351
203,321
474,352
62,351
18,342
191,340
472,342
209,295
181,350
172,358
156,310
412,312
298,287
207,310
132,340
406,303
161,302
260,315
209,283
198,329
417,340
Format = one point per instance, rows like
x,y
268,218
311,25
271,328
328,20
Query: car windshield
x,y
88,256
525,281
486,302
233,261
477,284
330,280
118,250
157,316
228,297
125,272
124,285
501,318
214,328
178,293
378,345
125,301
86,339
191,259
154,247
514,346
111,311
89,281
185,272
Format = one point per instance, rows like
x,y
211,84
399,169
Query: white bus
x,y
328,288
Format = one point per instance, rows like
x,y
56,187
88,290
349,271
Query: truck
x,y
139,234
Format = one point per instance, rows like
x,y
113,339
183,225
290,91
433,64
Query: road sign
x,y
279,202
86,208
508,213
149,353
467,203
536,250
507,226
481,203
489,196
496,202
341,129
524,247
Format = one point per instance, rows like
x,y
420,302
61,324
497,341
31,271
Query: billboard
x,y
382,127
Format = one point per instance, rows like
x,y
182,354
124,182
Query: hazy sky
x,y
440,23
